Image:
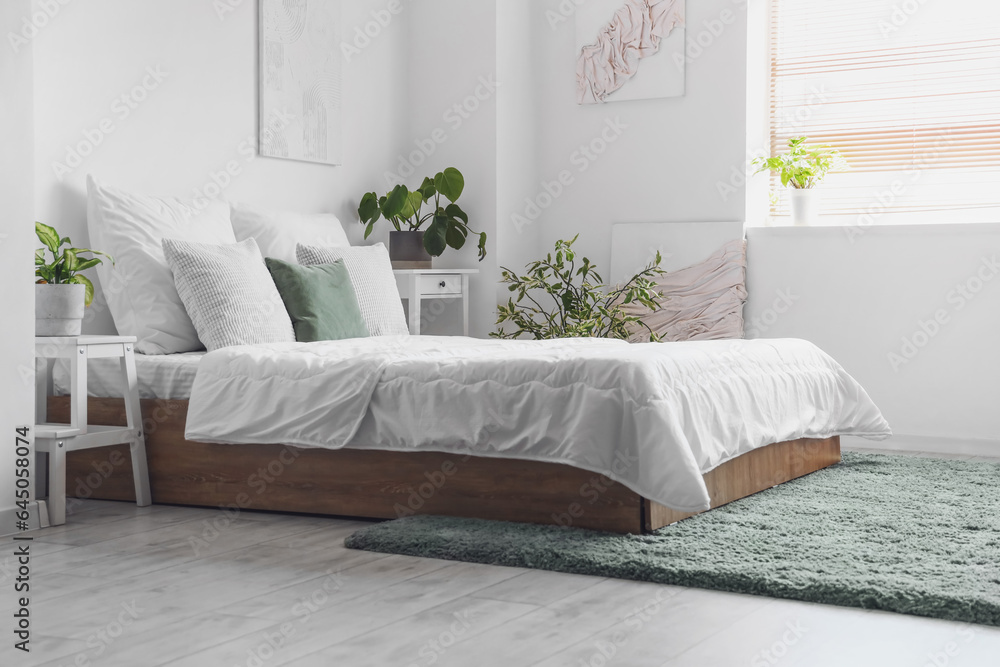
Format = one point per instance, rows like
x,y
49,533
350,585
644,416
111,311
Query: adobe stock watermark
x,y
435,309
304,608
651,252
454,118
364,35
105,468
437,479
900,16
888,196
606,650
99,642
957,299
432,650
302,612
34,23
86,486
246,152
593,489
111,284
122,107
273,642
581,159
760,325
696,44
772,655
223,8
951,650
563,12
213,529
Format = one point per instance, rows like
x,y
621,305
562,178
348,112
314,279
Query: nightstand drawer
x,y
440,284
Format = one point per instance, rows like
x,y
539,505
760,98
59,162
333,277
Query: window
x,y
908,90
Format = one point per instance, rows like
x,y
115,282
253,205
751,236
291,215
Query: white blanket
x,y
653,416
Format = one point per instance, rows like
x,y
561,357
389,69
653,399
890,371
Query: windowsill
x,y
923,229
979,216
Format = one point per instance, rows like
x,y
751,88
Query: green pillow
x,y
320,300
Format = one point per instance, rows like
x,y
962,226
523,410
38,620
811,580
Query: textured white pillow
x,y
278,232
229,293
373,282
139,288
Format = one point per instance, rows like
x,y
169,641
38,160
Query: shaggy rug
x,y
910,535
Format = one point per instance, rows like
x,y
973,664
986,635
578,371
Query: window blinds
x,y
908,90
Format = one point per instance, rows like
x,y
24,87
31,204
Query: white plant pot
x,y
805,207
59,309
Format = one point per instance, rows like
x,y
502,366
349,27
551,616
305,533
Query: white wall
x,y
520,29
685,159
194,122
671,152
17,245
859,301
452,107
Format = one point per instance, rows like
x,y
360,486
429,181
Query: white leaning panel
x,y
634,244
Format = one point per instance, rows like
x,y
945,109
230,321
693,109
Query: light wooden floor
x,y
138,587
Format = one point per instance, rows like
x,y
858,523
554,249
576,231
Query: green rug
x,y
910,535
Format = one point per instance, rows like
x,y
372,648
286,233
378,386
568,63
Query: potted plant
x,y
802,168
410,245
578,304
61,292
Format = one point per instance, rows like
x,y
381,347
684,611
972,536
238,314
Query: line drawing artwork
x,y
301,80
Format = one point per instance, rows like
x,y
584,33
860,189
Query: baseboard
x,y
38,517
928,444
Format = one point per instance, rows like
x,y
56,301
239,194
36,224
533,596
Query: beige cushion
x,y
701,302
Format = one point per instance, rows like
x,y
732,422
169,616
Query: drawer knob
x,y
443,284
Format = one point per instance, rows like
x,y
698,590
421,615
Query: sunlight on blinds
x,y
909,91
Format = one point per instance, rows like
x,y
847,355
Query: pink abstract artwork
x,y
623,45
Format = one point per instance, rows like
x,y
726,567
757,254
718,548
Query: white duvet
x,y
653,416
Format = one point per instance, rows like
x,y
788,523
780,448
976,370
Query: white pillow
x,y
277,233
229,293
373,282
139,287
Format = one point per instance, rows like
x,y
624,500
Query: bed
x,y
588,433
365,479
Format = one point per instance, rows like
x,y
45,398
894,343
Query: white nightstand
x,y
415,285
57,439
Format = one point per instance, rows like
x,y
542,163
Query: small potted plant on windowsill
x,y
802,168
61,292
410,245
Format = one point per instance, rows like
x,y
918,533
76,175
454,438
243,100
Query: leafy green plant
x,y
404,209
579,304
804,165
66,264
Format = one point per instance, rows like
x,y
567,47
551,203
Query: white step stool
x,y
57,439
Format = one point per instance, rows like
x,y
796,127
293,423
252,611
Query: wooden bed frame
x,y
387,485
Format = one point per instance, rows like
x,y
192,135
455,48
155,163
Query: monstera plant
x,y
429,217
